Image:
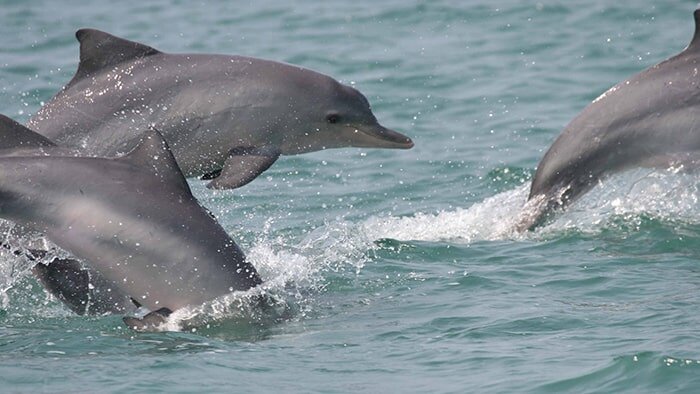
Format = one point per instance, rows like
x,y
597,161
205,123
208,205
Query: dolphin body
x,y
226,118
651,119
116,215
83,290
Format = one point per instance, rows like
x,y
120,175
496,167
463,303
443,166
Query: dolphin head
x,y
328,114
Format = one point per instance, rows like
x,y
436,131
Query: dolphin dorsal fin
x,y
695,42
153,155
14,135
99,50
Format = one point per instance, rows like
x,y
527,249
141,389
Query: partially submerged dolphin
x,y
83,290
651,119
132,219
80,288
226,118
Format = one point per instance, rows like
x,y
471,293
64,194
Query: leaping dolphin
x,y
651,119
117,215
226,118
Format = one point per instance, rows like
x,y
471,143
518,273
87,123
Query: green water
x,y
399,268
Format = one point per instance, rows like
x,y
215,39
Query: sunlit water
x,y
396,271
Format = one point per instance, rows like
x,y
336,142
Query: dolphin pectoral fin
x,y
242,166
82,290
148,322
67,281
211,175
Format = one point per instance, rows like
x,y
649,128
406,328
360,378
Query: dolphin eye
x,y
333,118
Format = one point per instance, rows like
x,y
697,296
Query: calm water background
x,y
399,267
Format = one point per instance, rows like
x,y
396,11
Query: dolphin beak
x,y
381,137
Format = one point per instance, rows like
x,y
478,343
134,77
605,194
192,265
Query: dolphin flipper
x,y
84,291
242,166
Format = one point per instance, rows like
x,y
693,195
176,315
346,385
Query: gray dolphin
x,y
82,289
651,119
117,216
226,118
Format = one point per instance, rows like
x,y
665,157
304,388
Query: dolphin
x,y
226,118
83,290
116,215
651,119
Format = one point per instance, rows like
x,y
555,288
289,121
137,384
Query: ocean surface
x,y
398,271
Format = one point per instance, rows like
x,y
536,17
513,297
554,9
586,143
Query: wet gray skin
x,y
226,118
116,215
651,119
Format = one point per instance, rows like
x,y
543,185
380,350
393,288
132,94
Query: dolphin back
x,y
100,50
642,121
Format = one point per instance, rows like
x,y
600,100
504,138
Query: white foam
x,y
660,194
292,272
492,219
663,195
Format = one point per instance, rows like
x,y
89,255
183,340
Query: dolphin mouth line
x,y
395,138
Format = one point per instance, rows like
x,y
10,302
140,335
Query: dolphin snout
x,y
381,137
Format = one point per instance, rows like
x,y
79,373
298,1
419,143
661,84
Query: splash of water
x,y
296,271
20,250
661,194
492,219
292,275
665,195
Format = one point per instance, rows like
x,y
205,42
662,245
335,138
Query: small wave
x,y
645,370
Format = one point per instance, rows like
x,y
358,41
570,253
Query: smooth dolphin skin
x,y
133,219
651,119
18,140
226,118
